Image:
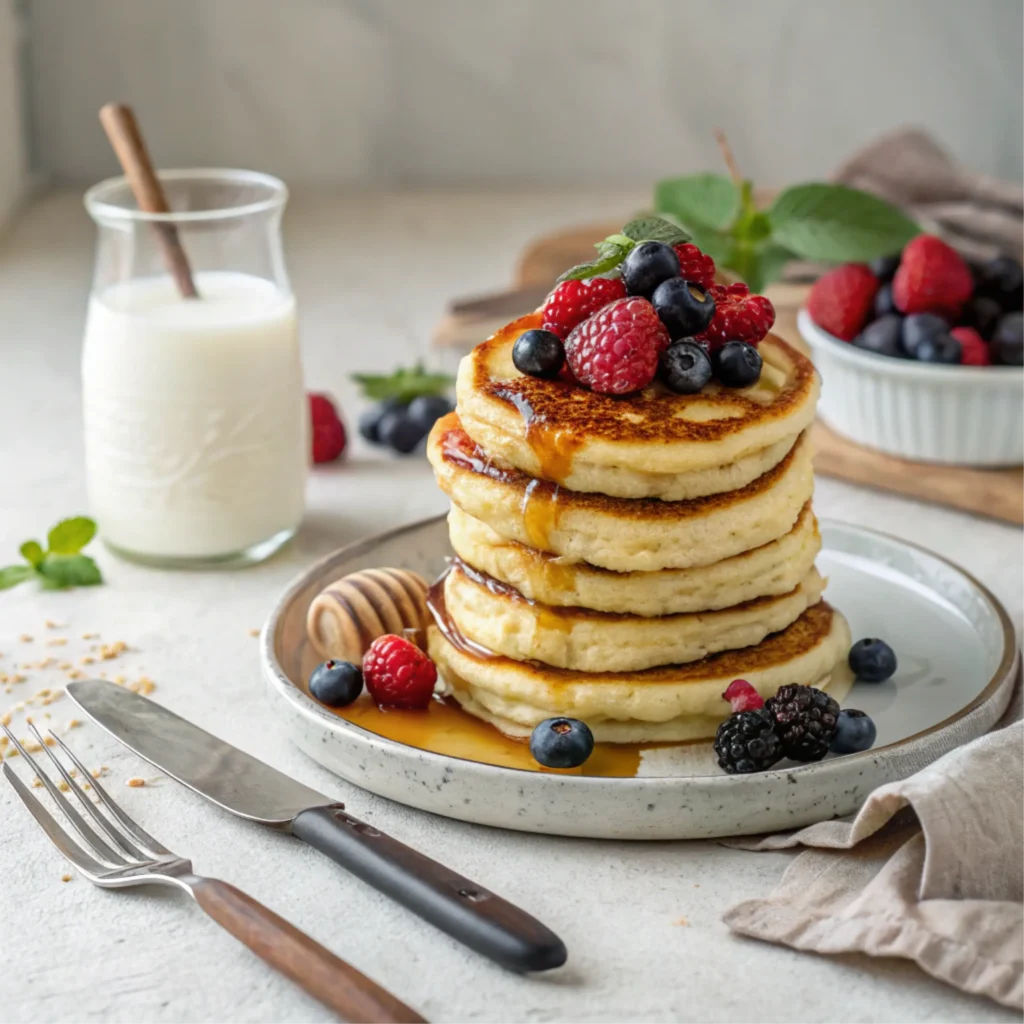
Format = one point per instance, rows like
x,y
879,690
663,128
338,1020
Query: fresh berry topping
x,y
932,278
684,307
398,674
369,421
695,265
1008,340
747,742
684,367
336,683
561,743
939,348
882,336
983,314
616,350
739,316
884,267
855,732
974,351
426,410
919,326
884,304
1003,280
738,364
399,431
872,660
328,430
742,696
647,265
539,353
841,300
573,301
805,721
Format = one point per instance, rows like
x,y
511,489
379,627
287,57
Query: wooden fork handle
x,y
338,985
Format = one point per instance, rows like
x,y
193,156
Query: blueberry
x,y
685,367
399,431
538,353
983,314
426,410
684,308
872,660
369,421
561,743
336,683
1003,280
884,302
885,267
738,365
939,348
647,265
855,732
1008,340
882,336
919,326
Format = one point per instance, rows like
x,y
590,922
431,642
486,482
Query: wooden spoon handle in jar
x,y
122,129
336,984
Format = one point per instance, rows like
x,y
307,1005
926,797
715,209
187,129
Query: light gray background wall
x,y
397,91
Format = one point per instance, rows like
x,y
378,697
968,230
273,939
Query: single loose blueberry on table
x,y
538,353
336,683
939,348
369,421
919,326
400,432
426,410
855,732
872,660
683,307
561,743
737,365
882,336
685,367
1008,340
647,265
884,268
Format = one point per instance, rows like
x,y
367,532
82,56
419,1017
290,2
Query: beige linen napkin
x,y
931,869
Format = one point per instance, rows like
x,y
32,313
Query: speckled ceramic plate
x,y
958,663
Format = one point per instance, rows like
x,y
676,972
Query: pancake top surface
x,y
567,411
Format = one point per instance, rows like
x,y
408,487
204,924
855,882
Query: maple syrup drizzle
x,y
541,511
553,448
548,619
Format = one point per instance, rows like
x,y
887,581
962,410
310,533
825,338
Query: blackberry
x,y
805,721
747,742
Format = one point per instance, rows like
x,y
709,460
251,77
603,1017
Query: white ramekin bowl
x,y
962,415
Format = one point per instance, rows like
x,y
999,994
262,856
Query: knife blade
x,y
249,788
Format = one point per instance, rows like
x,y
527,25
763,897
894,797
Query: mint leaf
x,y
32,552
832,222
594,267
773,258
69,536
716,244
12,575
404,384
709,200
655,229
610,247
69,571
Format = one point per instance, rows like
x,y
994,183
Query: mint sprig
x,y
62,563
615,248
404,384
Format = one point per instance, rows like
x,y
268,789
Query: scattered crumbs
x,y
26,665
73,773
65,665
46,662
13,752
18,678
5,718
254,632
143,685
50,624
97,772
89,636
49,741
31,746
120,680
110,651
65,878
63,786
37,783
696,885
682,923
28,719
85,785
57,641
3,742
76,673
73,724
135,782
25,638
87,660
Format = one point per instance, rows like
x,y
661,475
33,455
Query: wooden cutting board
x,y
994,493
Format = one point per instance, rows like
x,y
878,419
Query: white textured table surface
x,y
641,921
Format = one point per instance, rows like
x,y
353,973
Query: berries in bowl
x,y
921,354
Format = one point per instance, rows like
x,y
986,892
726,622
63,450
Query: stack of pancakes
x,y
621,559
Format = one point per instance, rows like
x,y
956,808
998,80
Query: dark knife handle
x,y
473,915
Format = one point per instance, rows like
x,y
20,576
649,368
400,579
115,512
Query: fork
x,y
128,855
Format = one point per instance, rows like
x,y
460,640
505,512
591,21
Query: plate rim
x,y
308,708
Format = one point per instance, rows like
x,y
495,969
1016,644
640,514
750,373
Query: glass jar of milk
x,y
196,421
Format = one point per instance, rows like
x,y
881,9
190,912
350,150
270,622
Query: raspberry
x,y
932,278
328,430
841,300
573,301
739,316
742,696
398,674
695,265
616,351
975,351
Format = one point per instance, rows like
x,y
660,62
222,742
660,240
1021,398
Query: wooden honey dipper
x,y
349,614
